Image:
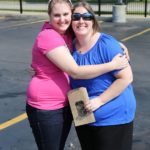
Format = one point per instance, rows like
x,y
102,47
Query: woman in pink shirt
x,y
47,105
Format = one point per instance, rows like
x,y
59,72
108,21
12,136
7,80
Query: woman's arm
x,y
123,79
62,58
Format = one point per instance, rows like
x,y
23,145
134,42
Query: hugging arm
x,y
123,79
62,58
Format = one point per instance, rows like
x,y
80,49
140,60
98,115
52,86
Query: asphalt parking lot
x,y
17,34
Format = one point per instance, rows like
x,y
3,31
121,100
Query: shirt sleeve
x,y
48,40
111,48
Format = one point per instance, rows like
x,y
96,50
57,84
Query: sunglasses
x,y
85,16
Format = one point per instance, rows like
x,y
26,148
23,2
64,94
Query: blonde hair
x,y
51,4
96,26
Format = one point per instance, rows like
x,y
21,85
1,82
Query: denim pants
x,y
50,127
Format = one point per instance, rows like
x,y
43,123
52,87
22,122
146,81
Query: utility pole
x,y
21,6
99,7
146,5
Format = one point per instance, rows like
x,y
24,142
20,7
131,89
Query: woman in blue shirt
x,y
111,95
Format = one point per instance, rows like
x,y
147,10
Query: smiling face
x,y
82,26
60,17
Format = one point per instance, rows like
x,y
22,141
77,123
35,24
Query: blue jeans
x,y
50,127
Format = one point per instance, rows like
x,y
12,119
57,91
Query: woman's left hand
x,y
125,50
31,71
93,104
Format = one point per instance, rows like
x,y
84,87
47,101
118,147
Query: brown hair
x,y
51,4
96,26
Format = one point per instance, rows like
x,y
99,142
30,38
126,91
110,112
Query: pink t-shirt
x,y
49,87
